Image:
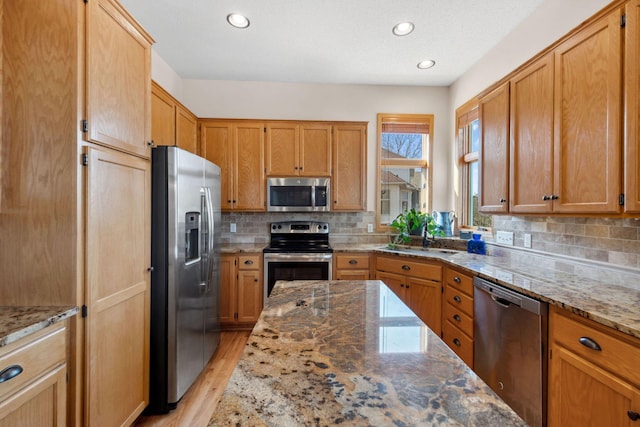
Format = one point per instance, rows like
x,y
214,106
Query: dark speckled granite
x,y
350,353
19,322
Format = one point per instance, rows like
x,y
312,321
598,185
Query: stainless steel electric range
x,y
298,250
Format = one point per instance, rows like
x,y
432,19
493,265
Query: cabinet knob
x,y
590,343
151,144
457,342
545,198
353,261
457,298
405,267
402,285
554,197
150,269
456,317
502,200
255,279
10,372
633,415
456,279
407,286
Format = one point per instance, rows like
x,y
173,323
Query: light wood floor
x,y
198,403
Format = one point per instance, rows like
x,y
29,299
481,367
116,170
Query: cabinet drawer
x,y
352,261
459,319
459,281
249,262
35,354
459,342
459,300
618,353
419,269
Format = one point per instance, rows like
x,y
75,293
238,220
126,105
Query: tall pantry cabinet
x,y
75,190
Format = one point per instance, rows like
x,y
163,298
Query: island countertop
x,y
350,352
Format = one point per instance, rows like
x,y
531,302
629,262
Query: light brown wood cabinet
x,y
37,396
75,213
593,375
171,123
417,283
494,151
531,149
118,109
457,323
298,149
238,148
632,107
351,266
349,176
241,290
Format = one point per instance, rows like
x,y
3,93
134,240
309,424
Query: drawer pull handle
x,y
10,372
353,262
457,298
456,341
456,279
248,262
589,343
456,317
406,267
633,415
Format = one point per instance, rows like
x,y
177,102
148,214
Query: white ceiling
x,y
327,41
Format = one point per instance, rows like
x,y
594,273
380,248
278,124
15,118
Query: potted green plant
x,y
413,222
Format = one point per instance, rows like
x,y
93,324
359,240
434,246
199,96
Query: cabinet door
x,y
249,295
587,144
531,133
632,107
216,146
282,155
425,300
117,287
315,150
583,394
186,130
228,287
348,189
163,129
248,174
118,79
494,150
395,282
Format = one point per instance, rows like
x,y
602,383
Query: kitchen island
x,y
350,352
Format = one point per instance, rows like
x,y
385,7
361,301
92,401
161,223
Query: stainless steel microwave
x,y
298,194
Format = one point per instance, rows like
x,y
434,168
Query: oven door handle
x,y
297,257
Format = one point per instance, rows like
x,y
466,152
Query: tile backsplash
x,y
610,240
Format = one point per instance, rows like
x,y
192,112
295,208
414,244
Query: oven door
x,y
295,266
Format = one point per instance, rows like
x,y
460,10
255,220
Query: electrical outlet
x,y
233,227
504,237
527,240
369,228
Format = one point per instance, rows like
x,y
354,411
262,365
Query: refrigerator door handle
x,y
209,230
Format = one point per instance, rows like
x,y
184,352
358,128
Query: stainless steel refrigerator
x,y
185,280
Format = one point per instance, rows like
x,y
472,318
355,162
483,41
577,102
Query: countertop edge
x,y
49,316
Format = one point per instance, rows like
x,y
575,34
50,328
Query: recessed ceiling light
x,y
403,28
423,65
237,20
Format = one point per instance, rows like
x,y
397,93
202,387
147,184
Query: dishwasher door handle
x,y
501,301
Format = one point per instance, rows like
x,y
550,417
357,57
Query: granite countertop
x,y
19,322
238,248
350,352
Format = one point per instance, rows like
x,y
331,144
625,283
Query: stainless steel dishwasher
x,y
510,348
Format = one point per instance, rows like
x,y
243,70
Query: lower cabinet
x,y
351,266
38,395
593,373
457,323
417,283
241,290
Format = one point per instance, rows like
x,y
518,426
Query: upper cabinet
x,y
238,148
294,149
531,148
494,150
171,123
587,104
349,177
632,107
117,109
553,127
